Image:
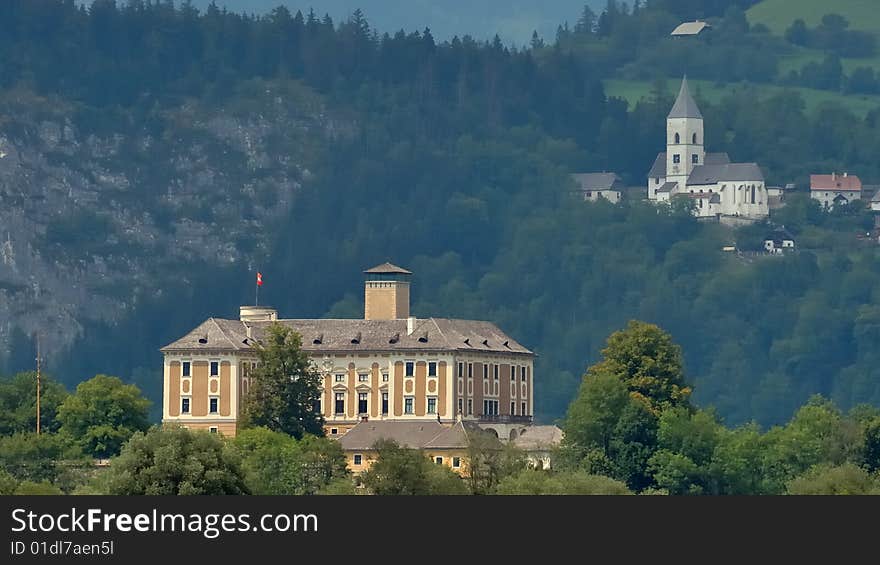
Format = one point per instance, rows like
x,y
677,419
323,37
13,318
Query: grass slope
x,y
779,14
632,91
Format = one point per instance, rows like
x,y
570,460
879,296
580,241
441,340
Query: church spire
x,y
684,106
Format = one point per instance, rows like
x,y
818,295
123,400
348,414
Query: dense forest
x,y
455,164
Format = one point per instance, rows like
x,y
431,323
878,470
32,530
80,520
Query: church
x,y
717,187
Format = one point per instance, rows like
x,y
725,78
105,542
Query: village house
x,y
594,186
389,372
835,189
779,241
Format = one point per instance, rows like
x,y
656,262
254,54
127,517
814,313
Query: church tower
x,y
684,138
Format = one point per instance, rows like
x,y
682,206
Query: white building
x,y
717,186
779,241
594,186
835,190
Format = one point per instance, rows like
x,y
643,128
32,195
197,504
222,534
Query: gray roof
x,y
388,269
414,434
658,169
597,181
731,172
538,437
689,28
684,106
667,187
721,158
323,335
779,235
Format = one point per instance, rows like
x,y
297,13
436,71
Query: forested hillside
x,y
212,144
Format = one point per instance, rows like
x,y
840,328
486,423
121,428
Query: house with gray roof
x,y
593,186
714,185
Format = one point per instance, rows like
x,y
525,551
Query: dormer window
x,y
395,338
319,339
357,338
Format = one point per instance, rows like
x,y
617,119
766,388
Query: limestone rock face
x,y
99,211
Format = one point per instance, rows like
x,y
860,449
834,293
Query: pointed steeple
x,y
684,106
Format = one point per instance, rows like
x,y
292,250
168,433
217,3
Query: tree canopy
x,y
285,387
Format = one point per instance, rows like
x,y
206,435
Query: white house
x,y
717,186
835,190
594,186
779,241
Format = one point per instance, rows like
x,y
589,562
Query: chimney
x,y
410,325
844,174
833,176
386,292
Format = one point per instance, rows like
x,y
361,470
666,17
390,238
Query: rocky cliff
x,y
101,210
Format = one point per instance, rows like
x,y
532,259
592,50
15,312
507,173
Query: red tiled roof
x,y
835,182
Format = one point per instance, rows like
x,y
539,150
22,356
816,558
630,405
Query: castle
x,y
717,187
421,381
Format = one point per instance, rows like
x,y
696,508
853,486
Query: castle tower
x,y
684,138
386,293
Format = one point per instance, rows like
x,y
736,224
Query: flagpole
x,y
38,383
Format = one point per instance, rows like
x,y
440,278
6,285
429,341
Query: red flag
x,y
259,279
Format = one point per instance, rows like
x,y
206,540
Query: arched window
x,y
694,139
677,138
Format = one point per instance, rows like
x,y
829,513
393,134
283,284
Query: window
x,y
460,405
461,369
523,374
184,405
438,460
334,431
657,180
186,368
215,368
676,158
485,371
384,377
490,407
340,403
213,429
384,403
432,369
363,377
470,406
694,139
358,458
695,159
513,408
213,404
316,406
470,370
495,370
409,368
456,462
753,194
432,405
677,138
512,373
340,378
523,406
408,405
362,403
589,194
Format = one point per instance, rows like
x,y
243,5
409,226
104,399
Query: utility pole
x,y
38,383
